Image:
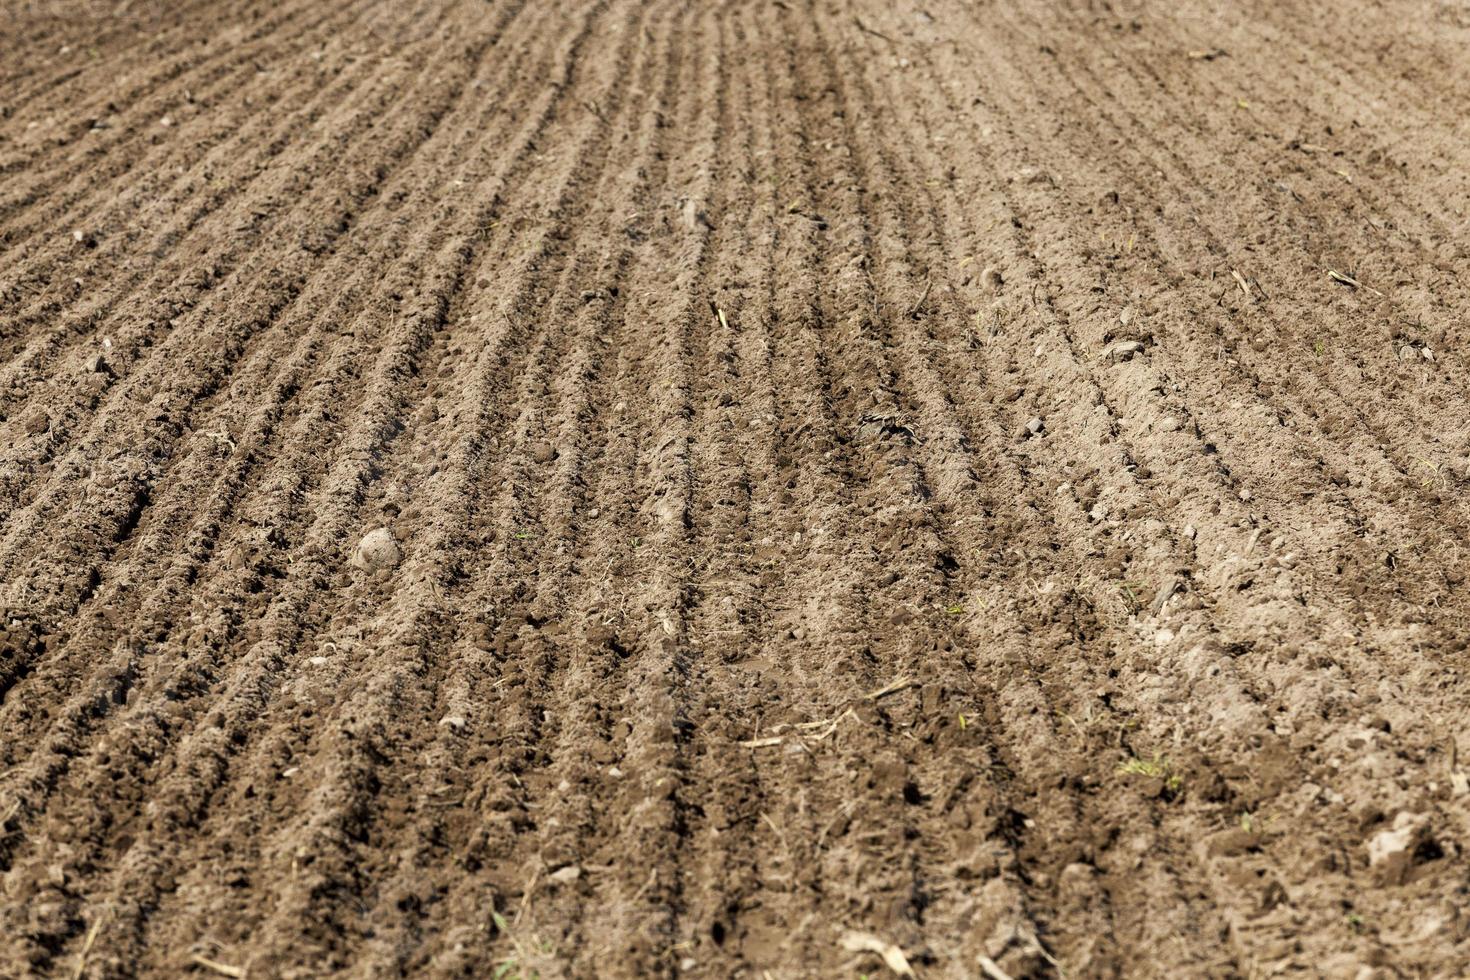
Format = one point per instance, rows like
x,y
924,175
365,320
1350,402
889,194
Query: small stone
x,y
1035,425
95,364
1391,852
566,875
694,218
456,722
1189,531
37,422
1170,424
542,451
991,279
1125,316
1124,350
1245,496
1076,879
377,551
670,509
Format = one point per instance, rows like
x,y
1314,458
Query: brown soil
x,y
987,476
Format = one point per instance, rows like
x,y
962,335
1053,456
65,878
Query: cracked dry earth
x,y
734,489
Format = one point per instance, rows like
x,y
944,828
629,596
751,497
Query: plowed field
x,y
770,489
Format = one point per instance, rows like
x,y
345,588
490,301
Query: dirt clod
x,y
377,551
1125,350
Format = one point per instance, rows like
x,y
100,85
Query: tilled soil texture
x,y
736,489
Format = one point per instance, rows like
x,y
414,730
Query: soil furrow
x,y
72,329
755,489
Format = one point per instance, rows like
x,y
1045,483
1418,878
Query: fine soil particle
x,y
733,489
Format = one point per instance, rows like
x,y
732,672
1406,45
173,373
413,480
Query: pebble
x,y
457,722
1391,852
542,451
1124,350
694,218
1035,425
1170,424
378,551
991,279
37,422
566,875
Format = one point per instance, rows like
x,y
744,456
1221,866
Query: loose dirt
x,y
765,489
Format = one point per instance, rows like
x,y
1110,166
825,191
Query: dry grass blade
x,y
761,743
87,943
923,297
868,30
898,685
223,969
1350,282
866,942
992,969
829,726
